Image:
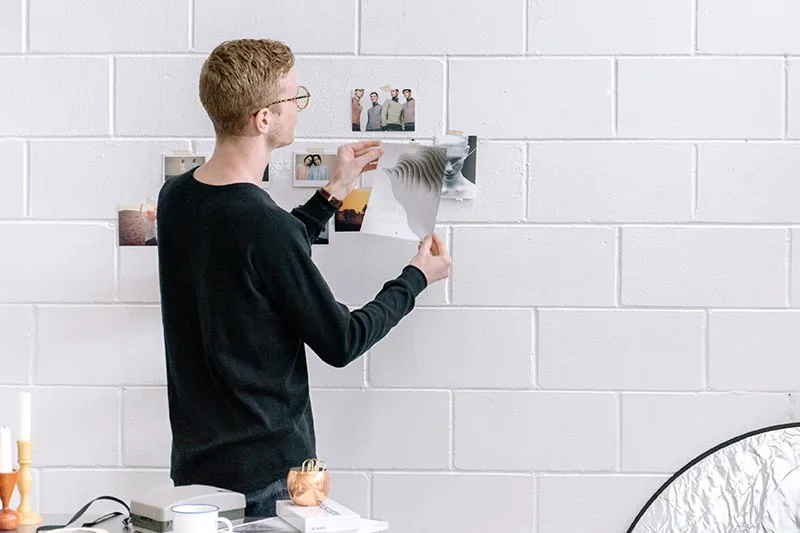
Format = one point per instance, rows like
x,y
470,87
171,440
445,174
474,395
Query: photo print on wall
x,y
460,164
136,224
312,167
406,191
177,164
350,216
386,109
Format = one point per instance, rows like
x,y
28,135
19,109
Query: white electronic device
x,y
151,513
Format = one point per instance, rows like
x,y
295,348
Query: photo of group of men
x,y
390,115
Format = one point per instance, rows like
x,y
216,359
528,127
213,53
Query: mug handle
x,y
226,522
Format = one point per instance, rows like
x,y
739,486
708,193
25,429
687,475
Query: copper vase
x,y
9,518
308,488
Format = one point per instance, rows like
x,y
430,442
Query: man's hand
x,y
351,161
433,259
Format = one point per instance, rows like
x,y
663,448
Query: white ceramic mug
x,y
197,518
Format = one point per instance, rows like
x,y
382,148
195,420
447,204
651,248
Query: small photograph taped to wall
x,y
324,237
313,168
459,171
176,165
350,216
137,224
383,109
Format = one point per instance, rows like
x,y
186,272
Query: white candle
x,y
25,416
5,450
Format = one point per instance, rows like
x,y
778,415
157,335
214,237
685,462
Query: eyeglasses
x,y
302,99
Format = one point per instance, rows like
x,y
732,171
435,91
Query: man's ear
x,y
261,120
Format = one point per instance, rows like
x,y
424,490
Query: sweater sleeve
x,y
314,214
302,296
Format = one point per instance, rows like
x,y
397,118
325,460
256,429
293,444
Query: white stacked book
x,y
327,517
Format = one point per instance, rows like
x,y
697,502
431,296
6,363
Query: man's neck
x,y
235,160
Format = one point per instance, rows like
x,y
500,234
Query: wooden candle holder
x,y
9,518
24,482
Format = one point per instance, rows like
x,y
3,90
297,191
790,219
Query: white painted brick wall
x,y
12,183
698,267
439,28
748,348
621,350
680,98
11,26
743,27
596,514
621,293
748,183
793,94
610,27
100,26
530,431
610,182
662,432
308,27
532,98
485,502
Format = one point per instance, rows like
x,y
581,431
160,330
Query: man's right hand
x,y
433,259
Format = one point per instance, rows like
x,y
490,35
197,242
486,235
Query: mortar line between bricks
x,y
615,98
526,183
452,433
456,308
577,391
488,139
695,200
704,370
619,431
446,92
26,180
525,27
191,24
448,296
370,492
789,273
535,348
695,27
34,345
431,56
112,97
357,50
108,222
785,98
121,436
26,27
492,140
618,266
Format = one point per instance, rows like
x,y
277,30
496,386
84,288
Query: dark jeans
x,y
356,126
261,503
409,126
393,127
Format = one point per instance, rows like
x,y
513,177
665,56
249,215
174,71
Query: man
x,y
357,95
391,113
374,114
409,111
240,295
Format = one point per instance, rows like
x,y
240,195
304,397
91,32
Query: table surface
x,y
115,524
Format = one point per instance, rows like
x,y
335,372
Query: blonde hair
x,y
239,78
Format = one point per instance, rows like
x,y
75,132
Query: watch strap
x,y
335,202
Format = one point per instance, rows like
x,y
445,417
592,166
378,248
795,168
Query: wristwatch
x,y
335,202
